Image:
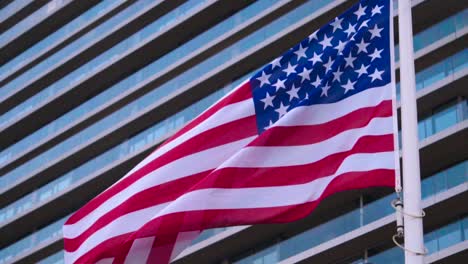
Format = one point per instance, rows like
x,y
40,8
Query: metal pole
x,y
414,241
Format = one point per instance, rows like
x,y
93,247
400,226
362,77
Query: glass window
x,y
391,256
445,118
449,235
427,187
431,242
465,228
422,130
456,175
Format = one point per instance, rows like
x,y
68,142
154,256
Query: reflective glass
x,y
391,256
442,118
465,228
449,235
108,57
434,241
56,258
439,71
78,45
36,239
57,37
438,31
445,118
12,8
457,174
35,18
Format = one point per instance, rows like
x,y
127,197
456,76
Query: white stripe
x,y
124,224
185,166
184,239
276,156
322,113
140,250
102,261
218,198
247,157
225,115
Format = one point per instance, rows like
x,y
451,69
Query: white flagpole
x,y
413,231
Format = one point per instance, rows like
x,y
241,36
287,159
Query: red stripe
x,y
302,135
280,176
235,178
181,222
239,129
233,217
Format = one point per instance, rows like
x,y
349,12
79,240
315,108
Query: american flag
x,y
313,122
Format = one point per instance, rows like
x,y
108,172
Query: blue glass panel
x,y
391,256
57,37
12,8
457,174
465,228
56,258
431,242
449,235
377,209
445,118
35,18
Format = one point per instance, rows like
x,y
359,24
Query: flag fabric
x,y
313,122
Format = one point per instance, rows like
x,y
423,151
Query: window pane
x,y
456,175
449,235
391,256
445,118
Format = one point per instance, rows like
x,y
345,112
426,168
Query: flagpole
x,y
413,230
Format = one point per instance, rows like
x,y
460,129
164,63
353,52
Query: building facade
x,y
89,88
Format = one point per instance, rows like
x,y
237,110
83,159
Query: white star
x,y
326,42
376,10
325,89
317,82
315,58
290,69
362,70
328,65
349,60
362,46
351,30
305,74
276,62
360,12
268,100
279,84
301,52
376,75
376,54
337,75
264,79
375,32
293,92
364,24
336,24
282,110
313,36
341,46
348,86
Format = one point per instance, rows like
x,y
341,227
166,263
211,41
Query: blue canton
x,y
348,55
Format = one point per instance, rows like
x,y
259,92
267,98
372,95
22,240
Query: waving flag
x,y
313,122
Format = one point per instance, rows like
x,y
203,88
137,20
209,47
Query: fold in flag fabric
x,y
313,122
